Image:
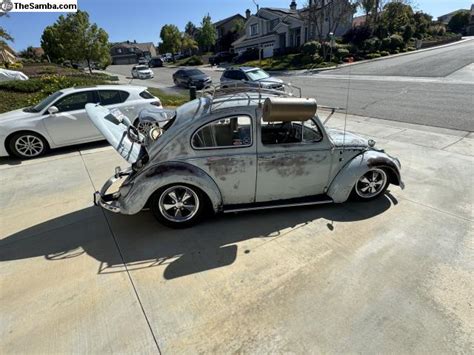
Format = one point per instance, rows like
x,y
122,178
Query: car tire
x,y
371,185
27,145
179,206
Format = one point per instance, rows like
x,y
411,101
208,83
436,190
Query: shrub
x,y
372,55
396,41
342,53
16,65
371,44
357,35
408,33
311,48
384,53
395,51
411,49
194,60
386,42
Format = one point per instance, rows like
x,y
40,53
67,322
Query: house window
x,y
254,29
119,50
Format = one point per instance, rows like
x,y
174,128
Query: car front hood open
x,y
346,140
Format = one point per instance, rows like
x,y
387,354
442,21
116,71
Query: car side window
x,y
76,101
290,132
111,97
228,74
232,132
240,75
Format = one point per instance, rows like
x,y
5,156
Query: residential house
x,y
129,52
7,54
226,32
359,21
446,18
277,30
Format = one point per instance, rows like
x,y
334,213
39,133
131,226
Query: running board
x,y
316,200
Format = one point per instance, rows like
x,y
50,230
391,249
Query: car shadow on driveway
x,y
144,243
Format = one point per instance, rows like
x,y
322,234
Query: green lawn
x,y
169,100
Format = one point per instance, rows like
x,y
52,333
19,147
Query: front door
x,y
293,160
226,151
71,124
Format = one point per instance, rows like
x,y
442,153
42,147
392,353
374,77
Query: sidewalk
x,y
390,276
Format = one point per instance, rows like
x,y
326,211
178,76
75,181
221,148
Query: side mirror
x,y
53,110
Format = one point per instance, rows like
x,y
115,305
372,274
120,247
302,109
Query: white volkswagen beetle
x,y
61,119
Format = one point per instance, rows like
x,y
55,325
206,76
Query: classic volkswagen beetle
x,y
237,149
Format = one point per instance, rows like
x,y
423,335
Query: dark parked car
x,y
155,62
191,77
221,57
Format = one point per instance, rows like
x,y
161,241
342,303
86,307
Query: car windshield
x,y
193,72
258,74
142,67
43,104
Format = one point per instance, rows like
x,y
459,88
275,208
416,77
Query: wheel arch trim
x,y
342,185
166,174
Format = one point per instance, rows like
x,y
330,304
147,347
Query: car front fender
x,y
170,173
342,185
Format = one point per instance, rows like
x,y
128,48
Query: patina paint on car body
x,y
254,173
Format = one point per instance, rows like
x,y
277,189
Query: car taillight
x,y
156,103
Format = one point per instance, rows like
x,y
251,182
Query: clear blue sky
x,y
141,20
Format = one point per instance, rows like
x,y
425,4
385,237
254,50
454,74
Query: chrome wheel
x,y
29,146
371,183
178,204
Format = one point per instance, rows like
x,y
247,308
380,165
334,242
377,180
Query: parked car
x,y
155,62
191,77
61,120
142,72
143,61
221,57
6,75
250,76
220,154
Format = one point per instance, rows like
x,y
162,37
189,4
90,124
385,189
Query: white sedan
x,y
61,119
142,72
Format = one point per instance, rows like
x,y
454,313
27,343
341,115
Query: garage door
x,y
267,50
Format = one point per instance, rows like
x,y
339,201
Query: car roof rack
x,y
227,90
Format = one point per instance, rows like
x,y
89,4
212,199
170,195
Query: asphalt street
x,y
433,88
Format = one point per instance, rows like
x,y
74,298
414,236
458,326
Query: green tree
x,y
422,23
207,35
4,35
459,22
190,29
73,37
171,39
368,6
239,26
396,16
188,44
51,44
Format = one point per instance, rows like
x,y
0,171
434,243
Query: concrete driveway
x,y
391,276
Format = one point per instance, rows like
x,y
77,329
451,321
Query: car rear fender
x,y
164,174
342,185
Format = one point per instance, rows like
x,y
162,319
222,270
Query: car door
x,y
293,160
71,124
225,149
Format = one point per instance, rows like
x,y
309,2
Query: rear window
x,y
111,97
146,95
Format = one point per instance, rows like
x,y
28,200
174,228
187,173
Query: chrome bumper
x,y
110,201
